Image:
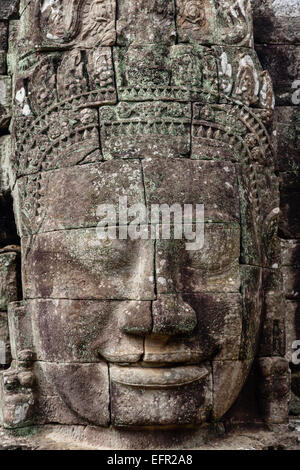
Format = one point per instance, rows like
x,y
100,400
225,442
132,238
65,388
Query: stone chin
x,y
155,397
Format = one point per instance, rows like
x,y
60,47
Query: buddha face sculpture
x,y
140,332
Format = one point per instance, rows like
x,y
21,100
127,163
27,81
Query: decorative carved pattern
x,y
18,392
238,127
215,22
234,20
98,23
59,143
91,22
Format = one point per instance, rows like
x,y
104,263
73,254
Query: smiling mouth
x,y
169,377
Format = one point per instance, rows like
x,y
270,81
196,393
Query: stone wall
x,y
9,241
277,38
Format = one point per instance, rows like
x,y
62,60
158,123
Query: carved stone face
x,y
141,332
145,322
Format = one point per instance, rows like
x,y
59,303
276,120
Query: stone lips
x,y
157,377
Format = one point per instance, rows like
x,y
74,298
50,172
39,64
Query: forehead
x,y
70,197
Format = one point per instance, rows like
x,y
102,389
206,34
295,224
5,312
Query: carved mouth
x,y
157,377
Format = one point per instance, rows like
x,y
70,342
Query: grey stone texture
x,y
159,102
276,31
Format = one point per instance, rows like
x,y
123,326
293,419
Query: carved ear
x,y
269,236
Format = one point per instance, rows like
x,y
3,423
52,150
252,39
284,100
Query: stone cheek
x,y
259,201
86,331
73,393
226,375
216,335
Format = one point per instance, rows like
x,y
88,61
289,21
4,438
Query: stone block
x,y
273,335
183,181
103,269
169,73
291,282
3,36
7,174
20,329
5,101
160,396
276,22
72,393
289,224
3,67
42,198
142,130
211,22
8,279
242,78
292,328
145,22
9,9
221,132
91,24
283,64
290,253
287,133
252,295
5,352
64,139
217,333
213,267
274,389
84,331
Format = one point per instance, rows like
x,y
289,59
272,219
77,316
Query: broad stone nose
x,y
135,318
172,316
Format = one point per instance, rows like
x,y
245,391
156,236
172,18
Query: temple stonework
x,y
139,343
